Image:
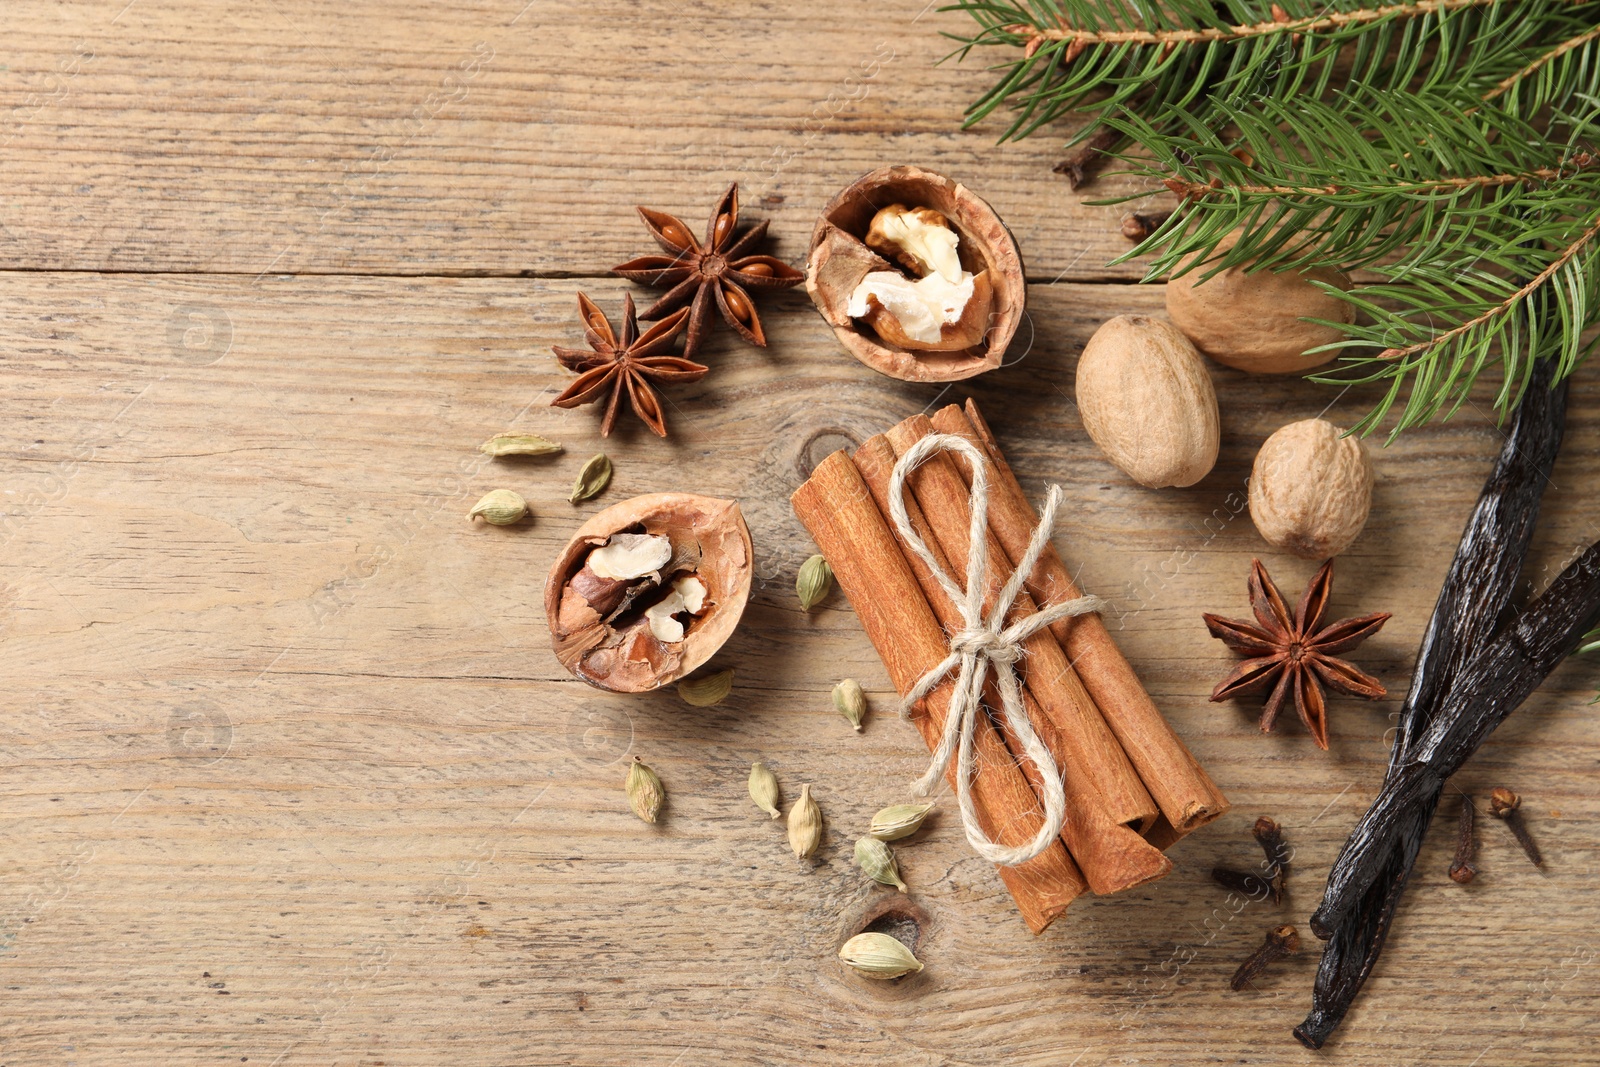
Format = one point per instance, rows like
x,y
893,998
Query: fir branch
x,y
1355,181
1563,51
1442,202
1446,146
1591,641
1279,24
1518,326
1505,306
1100,57
1190,190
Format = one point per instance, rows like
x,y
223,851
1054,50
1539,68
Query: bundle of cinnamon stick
x,y
1132,787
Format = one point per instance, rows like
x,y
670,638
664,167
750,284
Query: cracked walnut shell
x,y
648,590
840,259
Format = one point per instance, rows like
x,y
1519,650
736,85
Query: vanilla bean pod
x,y
1480,581
1378,857
1488,561
1487,690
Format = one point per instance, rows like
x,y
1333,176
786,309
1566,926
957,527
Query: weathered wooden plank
x,y
291,775
486,136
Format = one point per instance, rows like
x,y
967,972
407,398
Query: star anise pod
x,y
1295,653
627,366
719,271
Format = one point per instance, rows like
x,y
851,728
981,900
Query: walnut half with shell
x,y
648,590
917,276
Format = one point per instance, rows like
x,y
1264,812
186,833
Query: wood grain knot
x,y
896,915
822,444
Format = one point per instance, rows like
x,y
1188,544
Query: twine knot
x,y
982,646
987,643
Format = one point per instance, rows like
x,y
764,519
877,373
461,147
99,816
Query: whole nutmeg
x,y
1147,401
1251,321
1311,489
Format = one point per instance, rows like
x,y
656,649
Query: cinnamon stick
x,y
1187,796
1095,757
836,506
1112,856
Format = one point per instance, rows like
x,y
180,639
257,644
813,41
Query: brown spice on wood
x,y
1112,856
1295,654
720,270
629,365
1505,806
1092,751
837,508
1083,165
1180,786
1141,224
1281,941
1462,869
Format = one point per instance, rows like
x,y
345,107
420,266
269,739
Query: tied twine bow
x,y
984,645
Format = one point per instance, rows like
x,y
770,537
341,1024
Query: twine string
x,y
984,645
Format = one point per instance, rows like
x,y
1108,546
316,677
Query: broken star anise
x,y
628,366
719,271
1296,651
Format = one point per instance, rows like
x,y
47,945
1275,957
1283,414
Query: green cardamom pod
x,y
814,582
899,820
708,691
518,444
592,478
851,702
880,956
764,788
644,791
805,824
501,508
877,859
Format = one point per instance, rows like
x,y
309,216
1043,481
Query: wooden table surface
x,y
290,774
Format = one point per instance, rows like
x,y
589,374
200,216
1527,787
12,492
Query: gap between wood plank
x,y
532,275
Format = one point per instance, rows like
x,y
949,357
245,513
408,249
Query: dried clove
x,y
1269,835
1251,885
1274,872
1083,165
1281,941
1503,804
1462,869
1141,224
